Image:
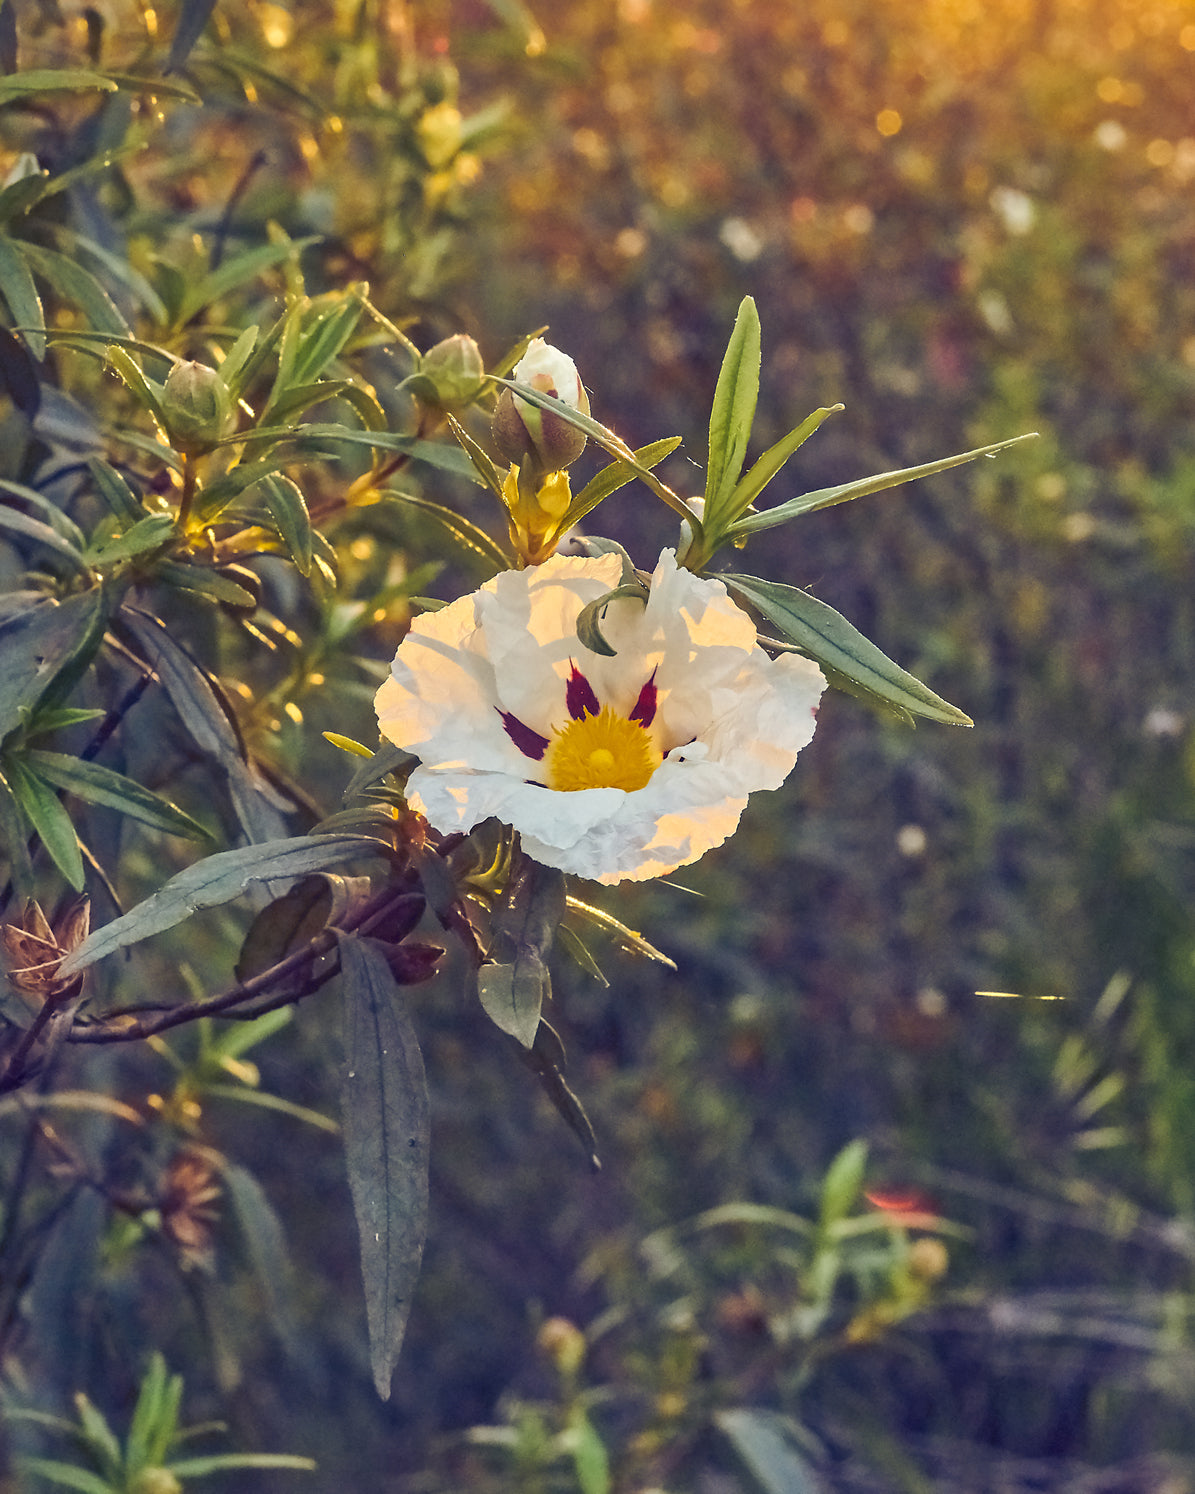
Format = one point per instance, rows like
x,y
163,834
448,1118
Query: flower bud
x,y
522,431
450,374
563,1343
197,407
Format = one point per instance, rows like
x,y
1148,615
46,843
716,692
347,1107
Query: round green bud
x,y
197,407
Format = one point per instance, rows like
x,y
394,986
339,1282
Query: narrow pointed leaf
x,y
15,522
486,470
38,645
45,813
202,581
775,1464
844,492
77,285
466,534
20,292
147,534
826,636
53,80
193,17
215,880
733,411
615,476
265,1245
100,785
229,1462
752,484
49,511
288,509
843,1183
67,1475
516,982
386,1121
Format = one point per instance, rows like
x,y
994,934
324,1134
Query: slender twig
x,y
115,1029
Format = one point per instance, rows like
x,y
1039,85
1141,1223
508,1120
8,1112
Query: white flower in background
x,y
613,768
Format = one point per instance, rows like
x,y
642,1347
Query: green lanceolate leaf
x,y
615,476
515,982
844,492
386,1120
486,470
99,785
265,1245
288,509
115,491
20,292
53,80
215,880
463,531
45,813
193,17
843,1182
202,581
826,636
733,411
775,1464
43,644
147,534
78,286
15,522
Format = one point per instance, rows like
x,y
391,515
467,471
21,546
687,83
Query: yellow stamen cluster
x,y
602,751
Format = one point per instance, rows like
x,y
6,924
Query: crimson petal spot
x,y
529,742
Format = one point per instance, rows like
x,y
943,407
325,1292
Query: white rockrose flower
x,y
613,768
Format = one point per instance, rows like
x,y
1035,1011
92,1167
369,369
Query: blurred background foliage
x,y
961,220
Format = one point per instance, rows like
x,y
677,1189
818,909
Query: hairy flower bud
x,y
196,406
449,374
526,434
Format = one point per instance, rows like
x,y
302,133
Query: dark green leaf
x,y
68,1475
843,1182
49,511
284,925
615,476
327,326
486,470
844,492
827,637
45,813
41,644
387,759
19,291
733,411
386,1139
33,529
515,982
205,582
265,1245
149,533
752,484
192,694
288,509
193,17
463,531
546,1059
589,619
115,491
53,80
99,785
215,880
239,271
12,841
228,1462
774,1463
78,286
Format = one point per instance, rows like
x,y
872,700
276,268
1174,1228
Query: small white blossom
x,y
551,372
613,768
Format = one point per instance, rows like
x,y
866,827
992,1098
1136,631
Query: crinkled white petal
x,y
729,719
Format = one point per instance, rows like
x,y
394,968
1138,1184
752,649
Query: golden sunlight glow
x,y
888,122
